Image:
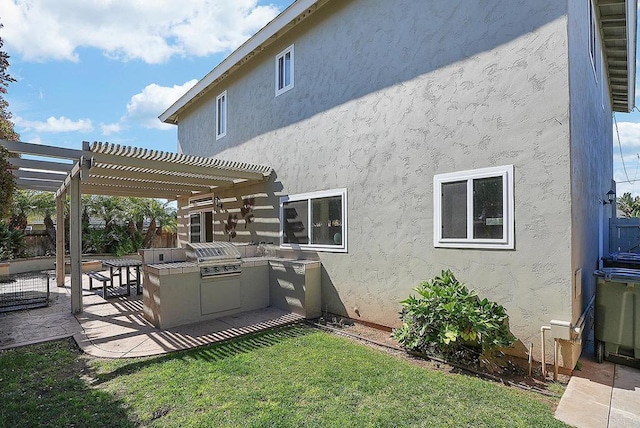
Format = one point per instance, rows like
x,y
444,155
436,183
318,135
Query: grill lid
x,y
208,252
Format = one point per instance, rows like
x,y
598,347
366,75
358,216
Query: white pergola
x,y
115,170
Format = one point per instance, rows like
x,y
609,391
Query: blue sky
x,y
103,70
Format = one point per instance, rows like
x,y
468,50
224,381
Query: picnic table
x,y
115,270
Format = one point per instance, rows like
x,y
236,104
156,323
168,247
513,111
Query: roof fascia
x,y
632,35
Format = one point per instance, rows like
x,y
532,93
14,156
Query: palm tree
x,y
108,208
45,205
628,205
162,216
22,206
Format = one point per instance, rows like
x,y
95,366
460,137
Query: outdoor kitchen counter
x,y
294,285
174,293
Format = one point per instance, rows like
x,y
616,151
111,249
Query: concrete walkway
x,y
603,395
115,328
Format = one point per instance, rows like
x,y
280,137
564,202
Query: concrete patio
x,y
115,328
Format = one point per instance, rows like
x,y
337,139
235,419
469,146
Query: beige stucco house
x,y
409,137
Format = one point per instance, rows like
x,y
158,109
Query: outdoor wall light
x,y
217,202
611,197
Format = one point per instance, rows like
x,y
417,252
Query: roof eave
x,y
619,35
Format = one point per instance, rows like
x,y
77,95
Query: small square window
x,y
284,71
221,115
474,209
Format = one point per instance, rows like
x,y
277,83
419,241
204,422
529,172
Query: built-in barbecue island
x,y
205,281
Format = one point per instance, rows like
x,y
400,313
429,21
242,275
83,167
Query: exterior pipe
x,y
579,326
544,358
555,359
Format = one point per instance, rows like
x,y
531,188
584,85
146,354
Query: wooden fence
x,y
624,235
39,244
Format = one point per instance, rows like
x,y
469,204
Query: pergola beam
x,y
40,165
118,182
208,180
43,185
120,191
38,175
158,165
41,150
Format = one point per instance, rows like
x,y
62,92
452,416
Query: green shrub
x,y
446,316
12,242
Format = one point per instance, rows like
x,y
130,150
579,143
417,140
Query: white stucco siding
x,y
591,152
388,94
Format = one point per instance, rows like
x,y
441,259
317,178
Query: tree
x,y
108,208
7,181
23,205
629,205
159,215
45,205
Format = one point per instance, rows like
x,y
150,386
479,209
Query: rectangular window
x,y
284,71
315,221
201,227
474,209
194,227
221,115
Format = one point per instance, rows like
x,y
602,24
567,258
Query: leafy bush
x,y
446,316
120,242
12,242
117,241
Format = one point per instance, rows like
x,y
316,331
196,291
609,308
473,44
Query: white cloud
x,y
149,30
110,128
54,125
629,135
144,107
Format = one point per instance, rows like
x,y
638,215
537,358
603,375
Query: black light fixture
x,y
217,202
611,197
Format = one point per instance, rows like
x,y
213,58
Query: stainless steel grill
x,y
215,258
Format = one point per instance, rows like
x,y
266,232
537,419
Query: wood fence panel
x,y
624,235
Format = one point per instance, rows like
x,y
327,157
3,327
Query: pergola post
x,y
60,240
75,244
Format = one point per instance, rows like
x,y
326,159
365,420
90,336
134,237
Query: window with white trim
x,y
201,226
194,227
315,221
474,209
221,115
284,71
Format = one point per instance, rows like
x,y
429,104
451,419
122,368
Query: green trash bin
x,y
617,315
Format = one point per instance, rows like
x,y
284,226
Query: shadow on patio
x,y
116,328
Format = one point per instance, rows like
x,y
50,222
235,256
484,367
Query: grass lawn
x,y
294,376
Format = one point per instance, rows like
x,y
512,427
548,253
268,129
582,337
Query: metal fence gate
x,y
24,291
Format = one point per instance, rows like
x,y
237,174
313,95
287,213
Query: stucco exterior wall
x,y
591,154
388,94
